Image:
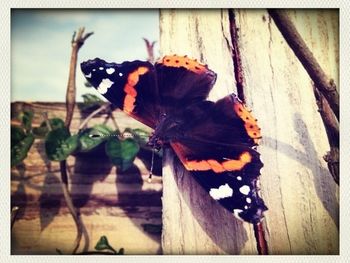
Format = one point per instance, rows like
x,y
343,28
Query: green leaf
x,y
55,123
102,243
20,145
17,134
42,130
122,153
26,118
92,137
140,136
59,144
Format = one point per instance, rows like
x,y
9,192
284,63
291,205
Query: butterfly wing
x,y
216,146
182,81
131,86
145,91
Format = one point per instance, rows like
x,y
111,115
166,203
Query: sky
x,y
41,46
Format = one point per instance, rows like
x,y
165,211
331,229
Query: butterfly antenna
x,y
151,170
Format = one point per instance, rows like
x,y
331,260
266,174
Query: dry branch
x,y
325,90
150,49
325,85
332,130
261,243
77,42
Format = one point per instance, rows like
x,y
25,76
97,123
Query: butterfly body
x,y
214,140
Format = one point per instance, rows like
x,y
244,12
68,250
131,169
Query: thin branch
x,y
150,51
93,114
260,238
325,85
237,62
326,94
240,82
332,130
67,197
70,205
77,42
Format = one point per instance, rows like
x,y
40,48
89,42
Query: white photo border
x,y
5,80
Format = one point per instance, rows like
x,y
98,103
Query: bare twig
x,y
67,197
46,119
70,205
150,51
237,62
325,85
327,96
93,114
260,239
78,40
240,82
332,130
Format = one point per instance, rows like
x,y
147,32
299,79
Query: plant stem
x,y
70,205
260,238
240,82
77,42
237,62
150,51
92,114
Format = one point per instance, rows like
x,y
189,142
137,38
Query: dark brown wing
x,y
131,86
216,146
182,81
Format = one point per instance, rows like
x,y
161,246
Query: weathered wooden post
x,y
295,183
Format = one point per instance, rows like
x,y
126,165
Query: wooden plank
x,y
193,223
111,203
296,184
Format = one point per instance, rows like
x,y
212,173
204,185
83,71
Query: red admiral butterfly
x,y
215,141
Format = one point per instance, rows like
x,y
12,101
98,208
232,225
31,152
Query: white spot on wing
x,y
222,192
104,86
236,213
110,70
239,178
100,68
245,189
248,200
88,75
245,207
93,69
120,74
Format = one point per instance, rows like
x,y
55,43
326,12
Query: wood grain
x,y
302,197
193,223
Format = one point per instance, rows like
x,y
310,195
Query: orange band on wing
x,y
129,88
250,123
217,167
183,61
211,164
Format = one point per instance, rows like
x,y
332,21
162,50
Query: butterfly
x,y
215,141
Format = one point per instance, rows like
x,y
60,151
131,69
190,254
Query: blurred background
x,y
114,201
